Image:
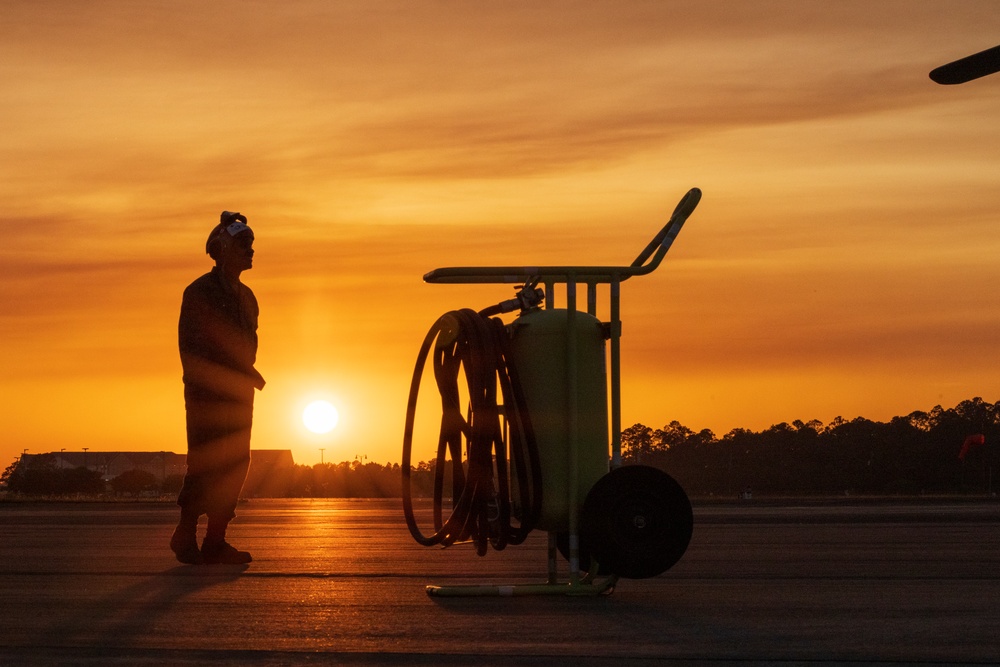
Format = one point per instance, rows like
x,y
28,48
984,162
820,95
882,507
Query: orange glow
x,y
842,261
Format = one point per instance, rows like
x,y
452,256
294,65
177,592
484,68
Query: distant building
x,y
111,464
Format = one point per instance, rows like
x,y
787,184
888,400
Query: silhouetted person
x,y
217,333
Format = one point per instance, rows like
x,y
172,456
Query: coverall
x,y
217,335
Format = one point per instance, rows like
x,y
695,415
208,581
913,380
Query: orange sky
x,y
842,262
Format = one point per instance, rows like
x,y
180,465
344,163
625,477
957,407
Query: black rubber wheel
x,y
637,522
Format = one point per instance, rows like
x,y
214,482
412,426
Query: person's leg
x,y
233,463
202,423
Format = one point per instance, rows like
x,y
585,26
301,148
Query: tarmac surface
x,y
342,582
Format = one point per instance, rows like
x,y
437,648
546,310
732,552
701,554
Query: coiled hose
x,y
481,504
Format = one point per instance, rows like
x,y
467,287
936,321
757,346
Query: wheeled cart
x,y
531,448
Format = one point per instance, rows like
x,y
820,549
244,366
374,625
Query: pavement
x,y
342,582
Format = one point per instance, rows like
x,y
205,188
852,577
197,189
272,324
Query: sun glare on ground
x,y
320,417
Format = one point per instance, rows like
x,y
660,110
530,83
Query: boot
x,y
215,549
184,544
223,553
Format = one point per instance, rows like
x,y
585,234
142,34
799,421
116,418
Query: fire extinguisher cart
x,y
635,520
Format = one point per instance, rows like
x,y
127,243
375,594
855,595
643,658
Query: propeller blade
x,y
968,68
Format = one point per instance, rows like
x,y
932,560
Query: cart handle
x,y
657,248
665,238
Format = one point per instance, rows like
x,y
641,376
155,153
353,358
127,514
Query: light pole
x,y
321,450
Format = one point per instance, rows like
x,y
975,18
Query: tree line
x,y
943,451
953,451
40,476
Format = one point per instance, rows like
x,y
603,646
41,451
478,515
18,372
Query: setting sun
x,y
320,417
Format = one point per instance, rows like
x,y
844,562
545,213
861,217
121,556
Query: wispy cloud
x,y
846,199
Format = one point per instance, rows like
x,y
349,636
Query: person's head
x,y
230,243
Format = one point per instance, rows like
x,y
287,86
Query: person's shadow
x,y
123,617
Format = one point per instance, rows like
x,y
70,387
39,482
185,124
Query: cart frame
x,y
571,277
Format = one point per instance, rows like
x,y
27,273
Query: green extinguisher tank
x,y
539,353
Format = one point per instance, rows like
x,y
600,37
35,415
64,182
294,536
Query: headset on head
x,y
231,222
